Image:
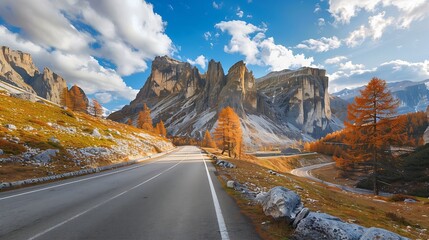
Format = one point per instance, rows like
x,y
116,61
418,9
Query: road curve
x,y
174,197
306,173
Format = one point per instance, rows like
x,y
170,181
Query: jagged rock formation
x,y
17,68
277,109
299,98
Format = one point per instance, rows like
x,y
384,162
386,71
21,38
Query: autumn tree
x,y
228,132
370,127
96,109
208,141
160,129
78,99
65,99
130,122
144,120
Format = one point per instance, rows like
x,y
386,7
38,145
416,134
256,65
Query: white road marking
x,y
219,216
80,180
98,205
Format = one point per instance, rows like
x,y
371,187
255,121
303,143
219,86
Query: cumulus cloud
x,y
250,41
103,97
377,25
392,71
321,22
350,66
200,60
408,11
321,45
74,38
335,60
240,13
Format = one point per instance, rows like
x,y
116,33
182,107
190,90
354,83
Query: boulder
x,y
10,126
378,233
28,128
324,226
46,156
301,215
225,164
95,133
281,203
54,140
230,184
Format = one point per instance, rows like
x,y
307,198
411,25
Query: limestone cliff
x,y
17,68
297,97
277,110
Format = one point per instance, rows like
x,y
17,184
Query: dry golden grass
x,y
42,117
407,219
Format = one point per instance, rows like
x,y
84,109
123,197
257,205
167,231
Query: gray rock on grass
x,y
46,156
320,226
281,203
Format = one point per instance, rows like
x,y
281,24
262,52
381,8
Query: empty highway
x,y
176,196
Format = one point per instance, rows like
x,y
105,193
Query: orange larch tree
x,y
370,126
208,141
144,120
65,99
161,129
228,132
96,109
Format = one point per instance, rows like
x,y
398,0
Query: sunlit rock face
x,y
297,97
277,109
17,68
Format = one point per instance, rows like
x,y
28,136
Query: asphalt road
x,y
174,197
306,173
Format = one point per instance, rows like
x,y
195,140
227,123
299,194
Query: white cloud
x,y
103,97
321,22
335,60
350,66
240,13
317,8
322,45
217,5
200,60
357,37
207,36
250,41
127,34
377,25
392,71
408,10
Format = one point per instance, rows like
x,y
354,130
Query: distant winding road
x,y
306,173
174,197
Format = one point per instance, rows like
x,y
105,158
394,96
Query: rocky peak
x,y
21,62
49,85
215,81
240,89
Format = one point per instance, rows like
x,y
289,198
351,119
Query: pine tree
x,y
208,141
228,132
144,120
370,126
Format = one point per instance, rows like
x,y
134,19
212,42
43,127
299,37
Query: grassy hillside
x,y
407,219
78,140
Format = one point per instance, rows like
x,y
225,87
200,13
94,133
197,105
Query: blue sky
x,y
106,47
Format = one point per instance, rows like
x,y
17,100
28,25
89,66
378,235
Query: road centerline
x,y
101,203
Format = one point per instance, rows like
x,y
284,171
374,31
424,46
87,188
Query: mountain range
x,y
413,96
279,108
